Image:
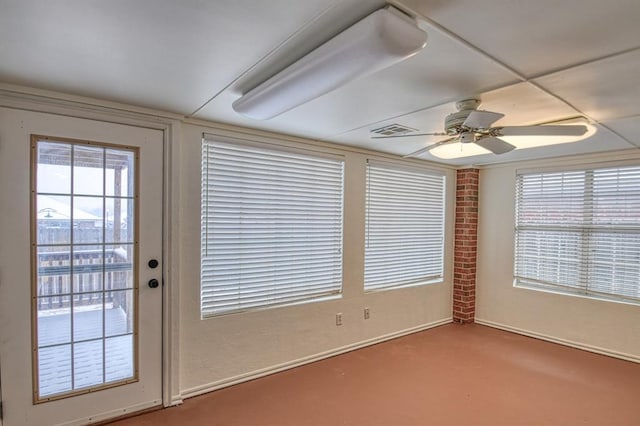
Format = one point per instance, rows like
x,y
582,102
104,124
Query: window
x,y
579,231
271,227
404,226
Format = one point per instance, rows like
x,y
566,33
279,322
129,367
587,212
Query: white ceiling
x,y
534,61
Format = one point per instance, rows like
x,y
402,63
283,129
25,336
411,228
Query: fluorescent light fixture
x,y
459,150
378,41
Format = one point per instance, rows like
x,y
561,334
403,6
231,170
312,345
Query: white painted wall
x,y
603,326
221,350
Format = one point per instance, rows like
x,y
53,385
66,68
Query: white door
x,y
81,229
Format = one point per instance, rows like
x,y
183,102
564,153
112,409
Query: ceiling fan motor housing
x,y
453,121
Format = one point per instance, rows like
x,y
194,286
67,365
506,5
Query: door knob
x,y
153,283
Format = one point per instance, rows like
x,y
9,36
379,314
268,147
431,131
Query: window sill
x,y
403,286
330,297
576,293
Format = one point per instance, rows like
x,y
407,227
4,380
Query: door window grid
x,y
83,267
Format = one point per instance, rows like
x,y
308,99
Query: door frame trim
x,y
36,100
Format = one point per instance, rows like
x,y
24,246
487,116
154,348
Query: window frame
x,y
586,230
444,230
276,147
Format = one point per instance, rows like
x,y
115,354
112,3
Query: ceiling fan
x,y
468,125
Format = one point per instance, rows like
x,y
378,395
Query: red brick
x,y
465,245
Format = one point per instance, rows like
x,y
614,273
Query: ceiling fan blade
x,y
543,131
481,119
495,145
430,147
409,135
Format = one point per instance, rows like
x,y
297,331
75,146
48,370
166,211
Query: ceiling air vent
x,y
393,130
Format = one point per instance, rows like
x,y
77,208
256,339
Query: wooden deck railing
x,y
85,280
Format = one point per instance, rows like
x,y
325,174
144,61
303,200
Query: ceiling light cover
x,y
378,41
458,150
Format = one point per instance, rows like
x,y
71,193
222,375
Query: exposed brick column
x,y
465,247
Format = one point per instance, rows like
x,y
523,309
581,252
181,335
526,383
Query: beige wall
x,y
221,350
608,327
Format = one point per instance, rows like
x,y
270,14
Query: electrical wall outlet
x,y
339,319
367,314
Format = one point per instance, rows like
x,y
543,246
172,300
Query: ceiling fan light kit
x,y
456,150
378,41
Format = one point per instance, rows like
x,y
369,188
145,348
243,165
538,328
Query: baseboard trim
x,y
175,400
115,414
209,387
565,342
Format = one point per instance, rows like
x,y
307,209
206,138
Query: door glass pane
x,y
53,270
84,288
53,215
87,214
119,275
119,174
88,170
55,168
87,316
88,268
119,218
118,313
119,357
88,359
54,320
54,368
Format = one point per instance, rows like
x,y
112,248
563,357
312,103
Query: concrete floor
x,y
450,375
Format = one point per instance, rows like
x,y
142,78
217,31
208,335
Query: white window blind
x,y
404,226
271,227
579,231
